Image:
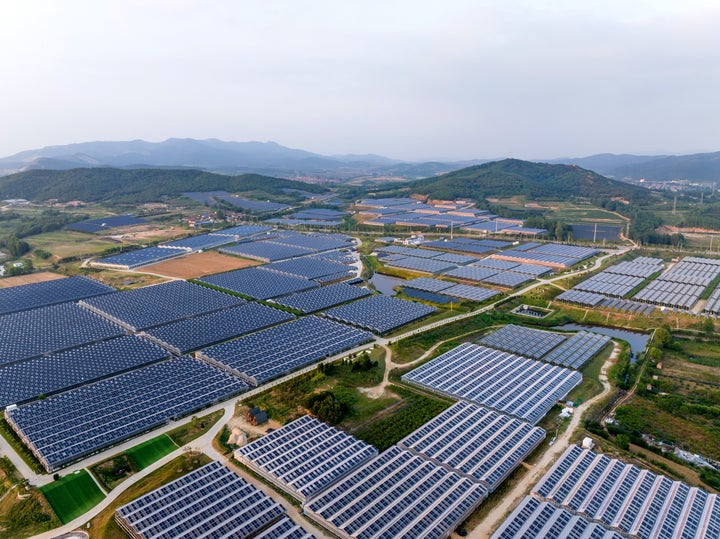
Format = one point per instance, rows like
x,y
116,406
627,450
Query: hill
x,y
511,177
137,185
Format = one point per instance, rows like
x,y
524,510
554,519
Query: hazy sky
x,y
407,79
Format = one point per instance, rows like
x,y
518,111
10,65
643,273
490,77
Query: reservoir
x,y
384,284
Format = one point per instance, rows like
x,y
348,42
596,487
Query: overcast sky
x,y
408,79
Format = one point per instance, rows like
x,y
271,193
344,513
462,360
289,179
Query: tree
x,y
708,326
15,246
663,337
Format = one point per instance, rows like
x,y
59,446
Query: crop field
x,y
68,243
73,495
198,265
144,454
20,280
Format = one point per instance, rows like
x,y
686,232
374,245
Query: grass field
x,y
194,428
73,495
144,454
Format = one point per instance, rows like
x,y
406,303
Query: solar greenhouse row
x,y
68,426
428,284
43,330
305,456
471,273
50,374
265,251
104,223
397,494
277,351
242,231
713,303
423,265
578,297
533,519
212,501
259,284
253,205
493,263
609,284
324,297
458,246
475,441
510,384
171,301
508,279
532,343
643,269
141,257
380,313
628,499
470,293
208,329
199,242
577,350
34,295
310,268
627,306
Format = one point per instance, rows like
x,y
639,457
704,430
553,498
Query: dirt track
x,y
40,277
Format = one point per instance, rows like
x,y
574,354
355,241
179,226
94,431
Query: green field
x,y
73,495
144,454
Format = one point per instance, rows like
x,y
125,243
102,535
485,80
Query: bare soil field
x,y
198,265
40,277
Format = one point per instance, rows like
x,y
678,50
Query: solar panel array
x,y
242,231
273,352
610,284
530,269
324,297
577,350
645,267
253,205
578,297
170,301
141,257
311,268
43,330
397,494
628,499
682,285
508,279
104,223
476,441
511,384
408,251
471,273
493,263
470,293
305,456
31,296
82,421
49,374
532,343
259,284
200,242
265,251
424,265
380,313
549,254
207,329
428,284
533,519
212,501
463,247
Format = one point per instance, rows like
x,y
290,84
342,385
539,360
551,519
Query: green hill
x,y
137,185
512,177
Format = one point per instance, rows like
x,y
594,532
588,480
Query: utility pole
x,y
674,205
595,233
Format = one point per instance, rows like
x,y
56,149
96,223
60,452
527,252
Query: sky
x,y
408,79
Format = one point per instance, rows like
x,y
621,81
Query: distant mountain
x,y
139,185
697,167
510,177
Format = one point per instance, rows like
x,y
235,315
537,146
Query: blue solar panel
x,y
259,284
277,351
105,223
207,329
30,296
70,425
380,313
49,374
141,257
310,268
169,301
266,251
50,329
317,299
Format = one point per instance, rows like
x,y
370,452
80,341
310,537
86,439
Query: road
x,y
205,442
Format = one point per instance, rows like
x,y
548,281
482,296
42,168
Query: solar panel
x,y
310,268
305,456
324,297
380,313
140,257
259,284
277,351
30,296
212,501
70,425
170,301
504,382
475,441
397,494
532,343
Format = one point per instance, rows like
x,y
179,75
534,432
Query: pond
x,y
637,341
385,284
